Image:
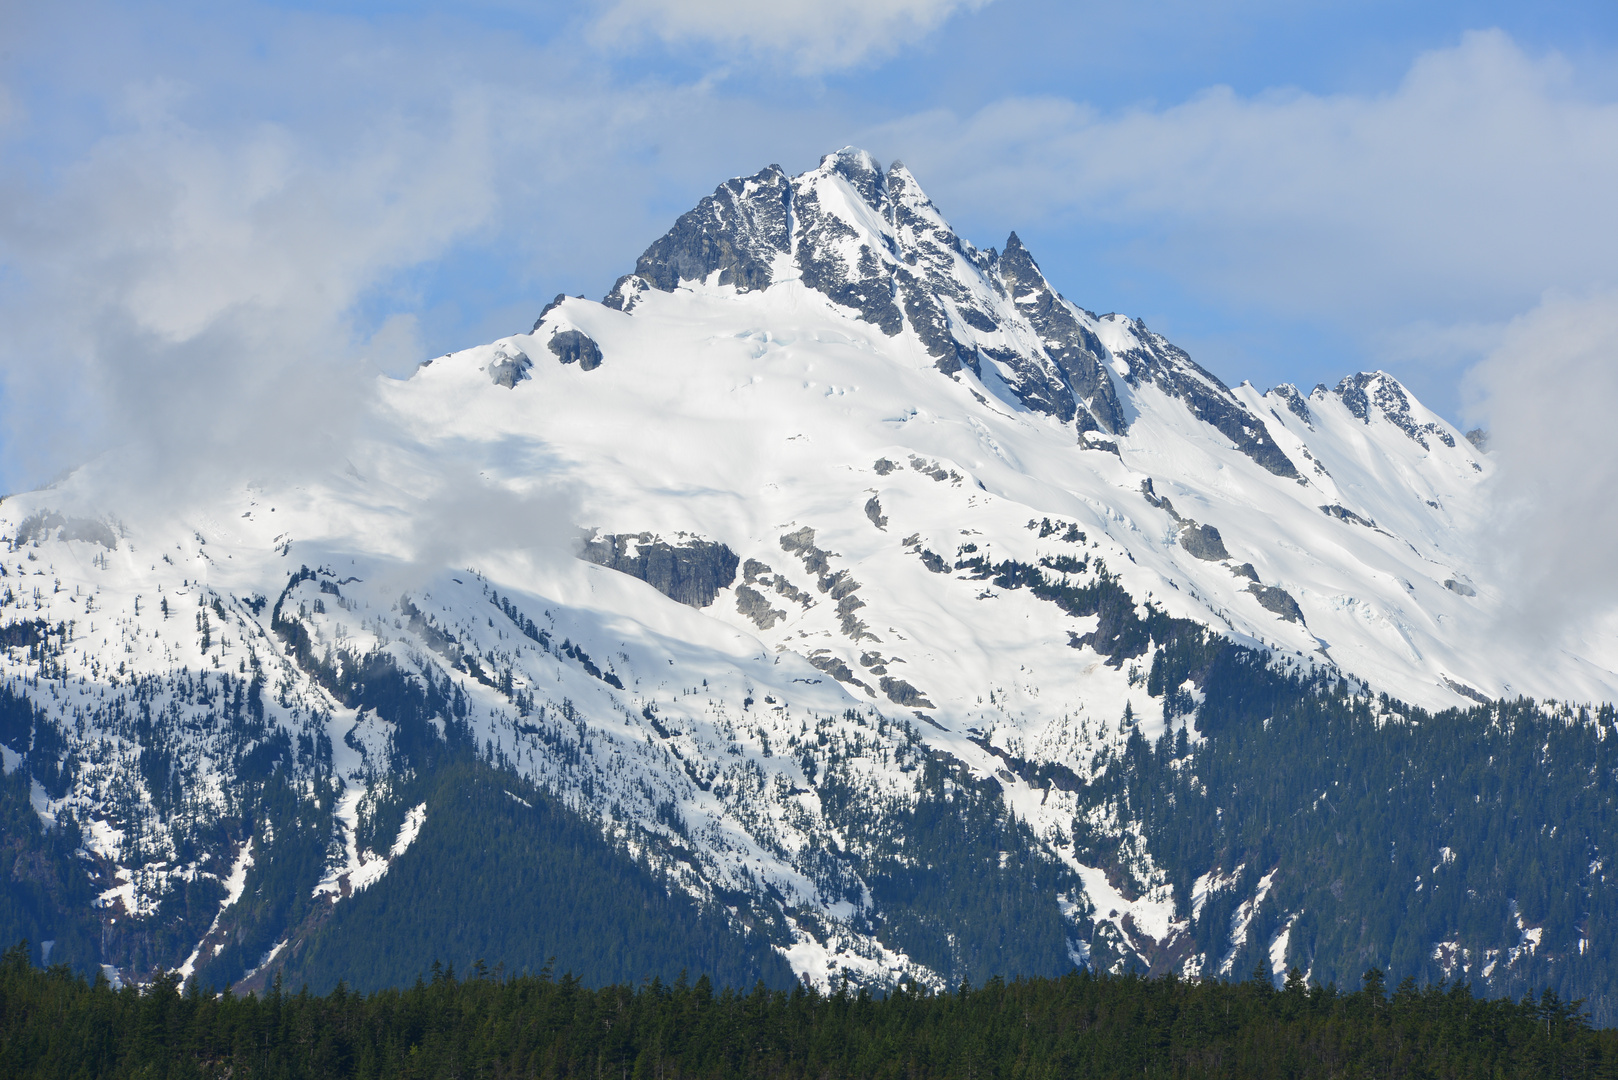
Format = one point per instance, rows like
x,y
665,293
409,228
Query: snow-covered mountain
x,y
821,518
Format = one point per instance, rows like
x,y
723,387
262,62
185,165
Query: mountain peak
x,y
862,172
1369,393
737,232
873,243
832,475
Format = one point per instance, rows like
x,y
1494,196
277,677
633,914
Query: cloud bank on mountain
x,y
1549,392
190,287
191,290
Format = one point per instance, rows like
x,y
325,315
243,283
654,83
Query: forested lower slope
x,y
503,874
56,1024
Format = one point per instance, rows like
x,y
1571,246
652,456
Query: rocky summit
x,y
835,600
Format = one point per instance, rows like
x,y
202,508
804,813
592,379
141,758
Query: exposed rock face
x,y
757,573
898,691
902,693
1078,353
1479,439
737,232
1376,389
692,572
834,258
933,469
1295,402
873,510
509,367
753,604
937,295
840,585
872,242
1343,513
815,560
1149,492
1467,691
1153,360
1204,542
838,669
1460,587
844,589
571,345
626,293
1277,600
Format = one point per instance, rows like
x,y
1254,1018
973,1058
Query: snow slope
x,y
816,373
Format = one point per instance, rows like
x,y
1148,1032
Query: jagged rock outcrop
x,y
736,232
509,367
1153,360
573,345
691,572
756,606
1295,402
1380,391
873,243
902,693
1278,600
1074,347
1343,513
1203,541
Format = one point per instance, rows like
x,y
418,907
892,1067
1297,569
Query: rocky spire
x,y
1072,345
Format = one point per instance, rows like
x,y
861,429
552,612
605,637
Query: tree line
x,y
54,1023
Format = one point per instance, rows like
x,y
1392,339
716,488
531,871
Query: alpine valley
x,y
833,600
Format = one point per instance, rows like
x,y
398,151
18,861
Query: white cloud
x,y
1460,196
817,35
195,289
1463,216
187,296
1550,392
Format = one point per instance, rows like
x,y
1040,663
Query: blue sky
x,y
210,207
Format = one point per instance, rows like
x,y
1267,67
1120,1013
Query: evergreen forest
x,y
54,1023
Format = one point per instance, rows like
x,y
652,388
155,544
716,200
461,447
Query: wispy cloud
x,y
813,35
187,295
197,291
201,291
1459,196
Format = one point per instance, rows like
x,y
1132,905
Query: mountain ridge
x,y
852,583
